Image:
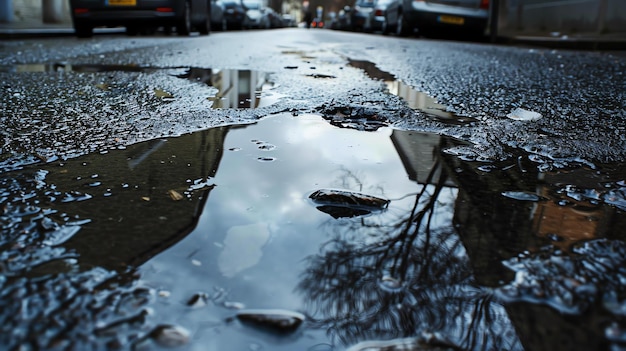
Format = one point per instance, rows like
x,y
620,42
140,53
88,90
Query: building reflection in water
x,y
529,248
137,192
411,276
236,88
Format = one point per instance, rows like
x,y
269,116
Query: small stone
x,y
281,321
170,335
198,300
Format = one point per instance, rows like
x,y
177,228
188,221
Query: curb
x,y
586,43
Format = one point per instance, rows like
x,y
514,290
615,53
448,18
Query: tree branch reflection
x,y
381,278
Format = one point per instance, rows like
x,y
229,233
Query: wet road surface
x,y
147,205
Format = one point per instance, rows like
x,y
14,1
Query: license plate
x,y
452,20
122,2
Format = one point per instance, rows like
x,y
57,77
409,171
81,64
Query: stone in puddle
x,y
281,321
344,203
170,335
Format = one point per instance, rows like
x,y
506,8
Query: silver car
x,y
385,15
257,16
468,16
185,15
360,15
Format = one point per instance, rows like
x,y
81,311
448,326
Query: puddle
x,y
241,258
415,99
236,88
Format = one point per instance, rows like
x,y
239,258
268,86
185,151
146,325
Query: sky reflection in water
x,y
261,243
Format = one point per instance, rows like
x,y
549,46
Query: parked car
x,y
185,15
430,15
360,16
218,21
342,20
289,20
385,15
256,14
234,13
276,20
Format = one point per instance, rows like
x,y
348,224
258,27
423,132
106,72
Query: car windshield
x,y
365,3
253,5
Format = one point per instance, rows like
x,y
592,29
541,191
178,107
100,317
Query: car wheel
x,y
132,30
184,24
384,27
83,31
205,26
403,29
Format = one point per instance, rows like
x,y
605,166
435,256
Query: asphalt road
x,y
241,236
115,90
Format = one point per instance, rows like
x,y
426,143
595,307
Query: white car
x,y
257,15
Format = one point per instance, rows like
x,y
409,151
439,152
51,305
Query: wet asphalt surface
x,y
579,94
509,178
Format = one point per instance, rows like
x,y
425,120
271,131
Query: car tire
x,y
384,27
83,30
132,31
205,26
183,27
403,29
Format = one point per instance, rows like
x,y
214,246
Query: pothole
x,y
415,99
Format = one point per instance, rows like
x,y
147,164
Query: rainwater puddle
x,y
415,99
236,88
192,242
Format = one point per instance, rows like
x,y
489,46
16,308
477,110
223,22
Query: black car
x,y
341,21
360,16
432,16
235,14
185,15
218,21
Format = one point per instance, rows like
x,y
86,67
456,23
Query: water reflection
x,y
258,224
381,279
450,261
235,88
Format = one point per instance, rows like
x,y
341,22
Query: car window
x,y
252,5
365,3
